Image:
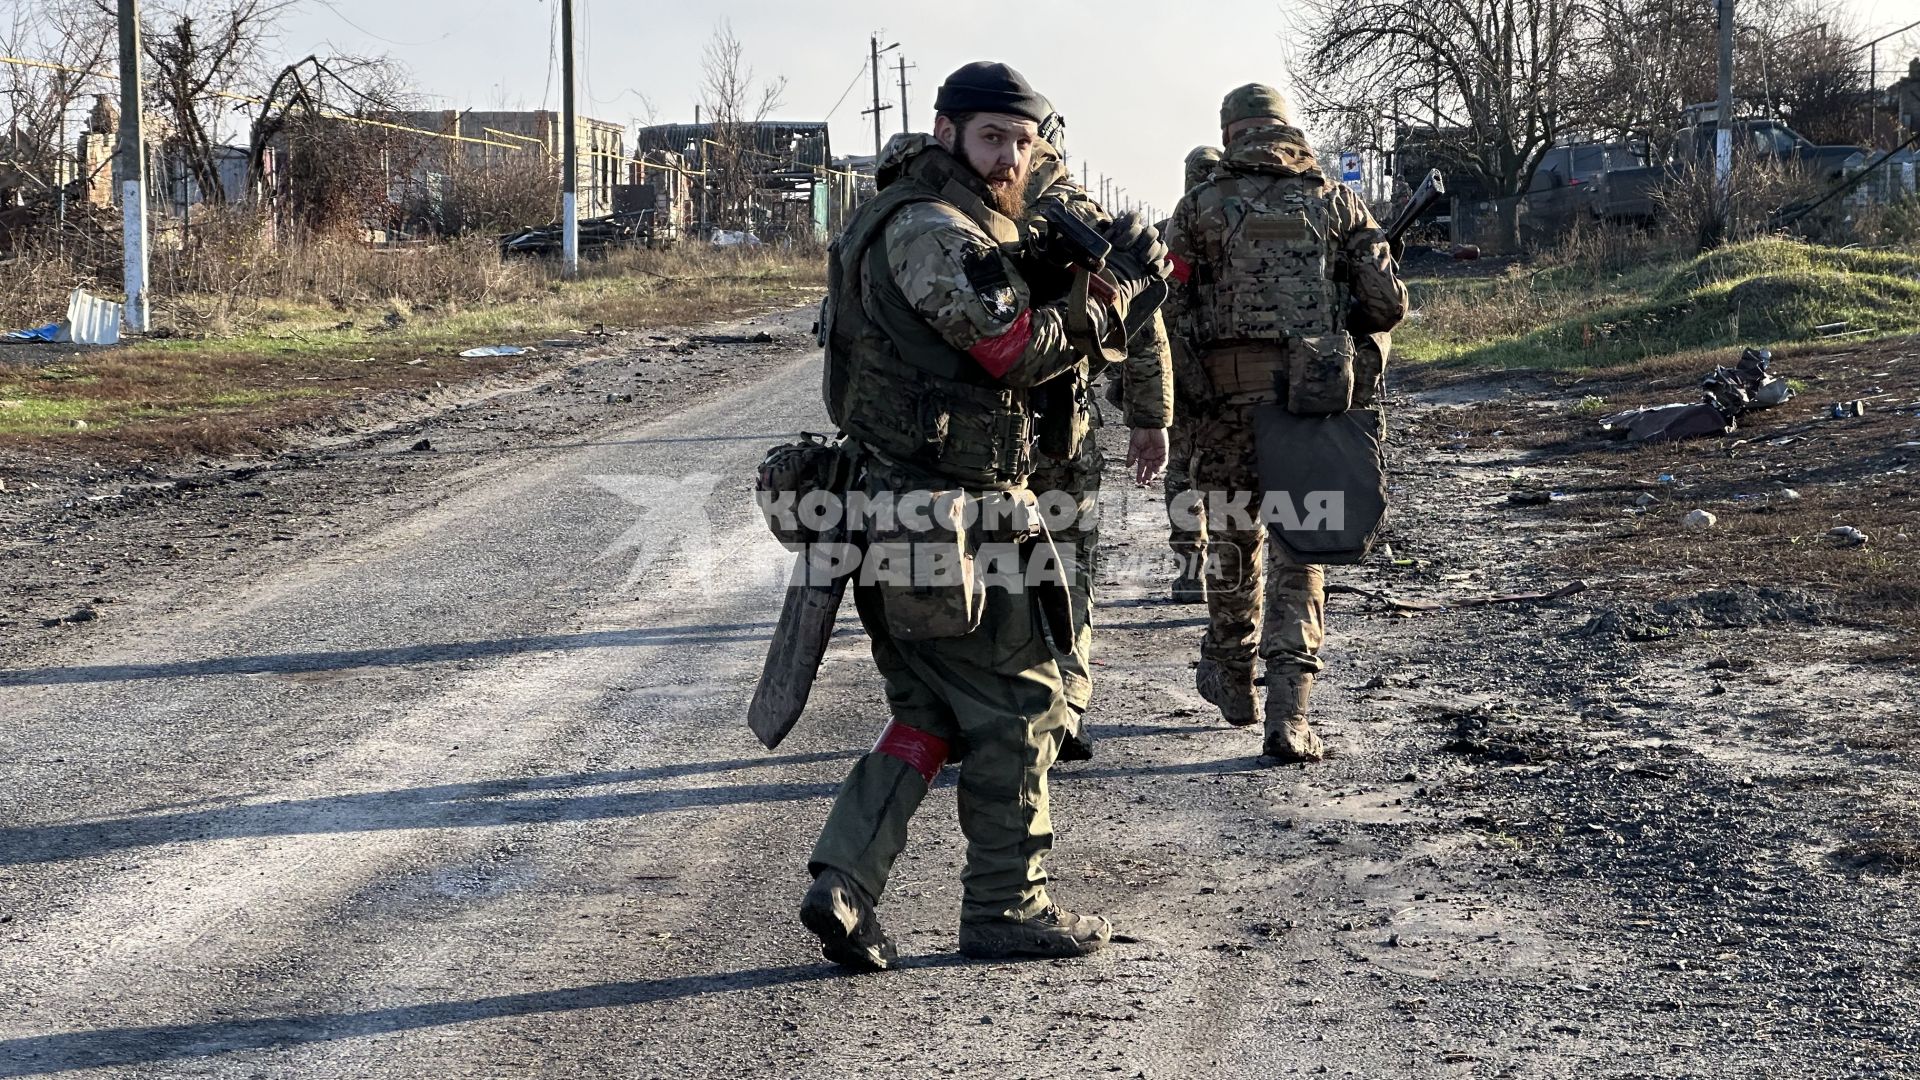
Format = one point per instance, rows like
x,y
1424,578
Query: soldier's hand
x,y
1137,250
1147,454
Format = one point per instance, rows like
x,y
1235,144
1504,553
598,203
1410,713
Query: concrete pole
x,y
569,152
904,129
874,62
133,170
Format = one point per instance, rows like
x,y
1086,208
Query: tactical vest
x,y
1271,284
891,381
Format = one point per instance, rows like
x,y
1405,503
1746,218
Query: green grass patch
x,y
1764,292
39,416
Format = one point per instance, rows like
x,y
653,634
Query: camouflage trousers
x,y
1080,542
1189,544
991,698
1257,604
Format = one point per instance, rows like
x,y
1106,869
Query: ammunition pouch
x,y
1370,353
1245,376
1063,411
1320,374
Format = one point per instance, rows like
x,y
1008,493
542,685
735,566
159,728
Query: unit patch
x,y
987,275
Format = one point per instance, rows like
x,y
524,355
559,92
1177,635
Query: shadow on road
x,y
43,1054
447,806
396,656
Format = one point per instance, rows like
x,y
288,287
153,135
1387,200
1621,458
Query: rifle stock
x,y
1431,190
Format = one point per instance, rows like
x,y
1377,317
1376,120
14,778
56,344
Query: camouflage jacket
x,y
945,261
1148,374
1197,231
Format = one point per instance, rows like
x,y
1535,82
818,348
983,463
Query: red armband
x,y
922,752
1181,269
1000,352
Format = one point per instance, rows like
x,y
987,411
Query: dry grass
x,y
1606,301
265,340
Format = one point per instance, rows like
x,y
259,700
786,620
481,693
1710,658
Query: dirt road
x,y
454,782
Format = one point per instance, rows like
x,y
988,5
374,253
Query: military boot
x,y
1228,686
1052,933
839,913
1189,589
1078,743
1289,740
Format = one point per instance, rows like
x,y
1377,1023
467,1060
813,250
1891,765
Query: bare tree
x,y
40,104
1793,59
735,100
201,55
1495,74
325,116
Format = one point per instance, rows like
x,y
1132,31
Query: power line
x,y
342,16
848,90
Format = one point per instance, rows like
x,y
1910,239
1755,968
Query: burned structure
x,y
773,179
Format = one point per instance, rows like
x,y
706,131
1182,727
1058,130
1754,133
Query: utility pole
x,y
569,152
1723,125
133,170
904,129
873,61
1873,76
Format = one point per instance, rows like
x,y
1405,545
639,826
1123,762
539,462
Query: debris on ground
x,y
635,229
1848,536
1699,519
1728,393
496,350
49,332
90,321
1393,603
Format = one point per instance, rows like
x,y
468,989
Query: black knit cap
x,y
983,86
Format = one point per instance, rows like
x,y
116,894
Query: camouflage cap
x,y
1255,101
1200,163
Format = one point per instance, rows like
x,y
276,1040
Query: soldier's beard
x,y
1007,188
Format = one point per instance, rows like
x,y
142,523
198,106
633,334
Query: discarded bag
x,y
1665,423
1729,393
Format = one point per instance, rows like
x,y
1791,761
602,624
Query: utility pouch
x,y
921,565
789,474
1319,374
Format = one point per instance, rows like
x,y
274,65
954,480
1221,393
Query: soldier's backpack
x,y
1272,287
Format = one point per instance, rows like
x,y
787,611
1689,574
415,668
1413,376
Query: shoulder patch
x,y
987,276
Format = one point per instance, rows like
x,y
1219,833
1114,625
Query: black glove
x,y
1139,258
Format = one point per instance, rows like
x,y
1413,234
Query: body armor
x,y
891,381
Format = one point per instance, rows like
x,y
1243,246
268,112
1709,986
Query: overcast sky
x,y
1139,81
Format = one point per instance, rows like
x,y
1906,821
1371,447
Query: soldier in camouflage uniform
x,y
1187,516
1073,465
1275,258
934,344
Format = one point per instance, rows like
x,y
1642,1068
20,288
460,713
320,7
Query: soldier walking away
x,y
933,345
1067,456
1278,263
1186,514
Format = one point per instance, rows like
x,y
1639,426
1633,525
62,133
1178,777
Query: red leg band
x,y
924,752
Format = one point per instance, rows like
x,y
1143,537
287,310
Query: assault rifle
x,y
1430,191
1069,241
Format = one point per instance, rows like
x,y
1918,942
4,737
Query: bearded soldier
x,y
1186,513
935,345
1274,259
1068,458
